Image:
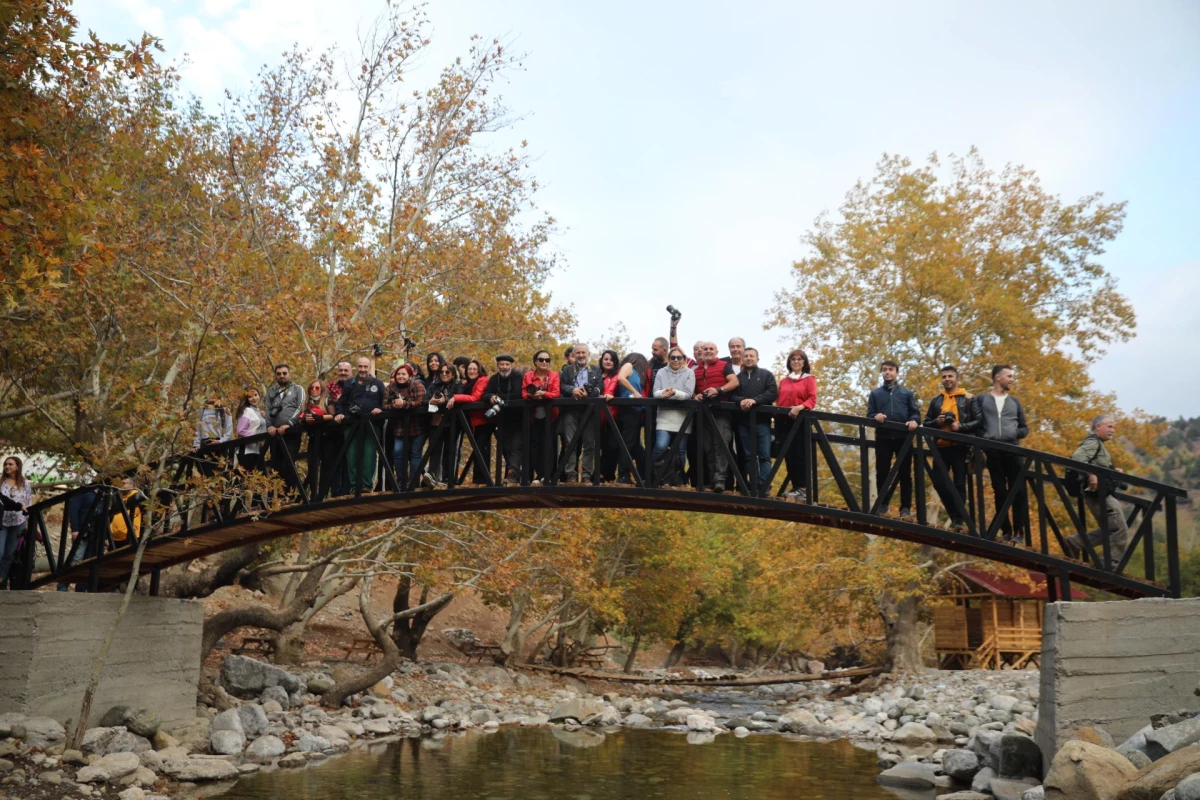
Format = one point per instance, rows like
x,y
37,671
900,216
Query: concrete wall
x,y
49,642
1114,664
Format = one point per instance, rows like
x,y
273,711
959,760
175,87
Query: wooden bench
x,y
367,647
481,650
595,656
259,645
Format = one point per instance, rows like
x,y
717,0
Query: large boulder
x,y
43,732
1169,738
986,745
265,748
803,722
228,743
192,735
109,768
1020,757
961,765
200,769
461,639
914,733
577,708
247,677
908,775
1082,771
1151,782
102,741
254,720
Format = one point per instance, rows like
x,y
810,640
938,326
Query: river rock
x,y
109,768
292,760
43,732
1170,738
228,743
914,733
200,769
908,775
1034,793
636,720
461,639
265,748
960,764
1188,788
351,728
132,793
254,719
311,743
1082,771
333,733
608,716
1093,734
1004,702
576,708
277,694
192,735
1020,757
380,727
1011,789
965,795
73,757
143,722
982,782
247,677
986,745
102,741
320,684
1151,782
229,720
701,722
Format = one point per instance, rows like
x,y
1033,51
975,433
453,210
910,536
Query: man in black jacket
x,y
503,390
951,410
579,380
756,387
1000,418
892,402
362,399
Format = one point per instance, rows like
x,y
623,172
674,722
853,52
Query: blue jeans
x,y
662,440
9,534
756,450
406,463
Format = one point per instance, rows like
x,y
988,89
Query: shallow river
x,y
551,763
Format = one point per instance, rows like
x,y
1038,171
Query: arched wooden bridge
x,y
189,521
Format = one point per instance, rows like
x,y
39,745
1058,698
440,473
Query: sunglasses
x,y
675,358
543,361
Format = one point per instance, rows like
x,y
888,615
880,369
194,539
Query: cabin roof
x,y
1011,587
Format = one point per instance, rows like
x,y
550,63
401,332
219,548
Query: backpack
x,y
1075,481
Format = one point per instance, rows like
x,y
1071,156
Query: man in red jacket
x,y
714,382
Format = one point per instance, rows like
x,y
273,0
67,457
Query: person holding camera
x,y
541,384
482,428
440,464
407,393
1001,419
715,382
580,380
952,410
503,389
661,346
361,400
892,402
677,383
1098,496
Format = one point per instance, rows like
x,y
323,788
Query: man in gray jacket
x,y
285,401
1001,419
1099,499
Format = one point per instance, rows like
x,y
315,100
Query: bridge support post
x,y
155,578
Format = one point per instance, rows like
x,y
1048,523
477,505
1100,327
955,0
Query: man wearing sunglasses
x,y
285,402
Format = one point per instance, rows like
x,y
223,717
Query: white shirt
x,y
1000,400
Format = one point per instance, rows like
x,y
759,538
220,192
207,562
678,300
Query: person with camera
x,y
504,388
715,382
285,404
541,384
407,393
1098,496
361,400
439,465
952,410
756,387
215,423
797,391
482,428
1000,418
661,346
579,380
676,383
892,402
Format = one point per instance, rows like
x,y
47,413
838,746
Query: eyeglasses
x,y
675,358
543,361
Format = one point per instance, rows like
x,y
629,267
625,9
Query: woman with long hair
x,y
677,383
542,384
472,392
250,422
318,410
797,391
610,447
406,393
16,495
440,465
433,366
632,379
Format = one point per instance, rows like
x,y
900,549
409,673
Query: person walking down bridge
x,y
361,400
1098,496
1001,419
892,402
952,410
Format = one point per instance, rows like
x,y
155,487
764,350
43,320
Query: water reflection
x,y
546,764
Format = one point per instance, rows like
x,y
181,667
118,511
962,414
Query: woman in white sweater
x,y
674,382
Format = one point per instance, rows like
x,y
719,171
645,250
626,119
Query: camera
x,y
675,313
409,344
377,350
355,409
494,411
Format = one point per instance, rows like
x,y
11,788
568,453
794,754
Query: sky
x,y
686,147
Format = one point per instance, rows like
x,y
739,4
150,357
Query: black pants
x,y
442,450
795,457
541,448
956,464
630,425
509,440
483,446
1003,469
285,450
610,450
886,451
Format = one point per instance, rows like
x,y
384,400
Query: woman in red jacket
x,y
472,392
540,383
797,391
610,436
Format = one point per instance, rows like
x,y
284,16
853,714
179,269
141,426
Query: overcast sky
x,y
686,147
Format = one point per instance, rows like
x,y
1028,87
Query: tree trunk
x,y
408,631
514,638
633,649
180,583
675,655
901,619
257,616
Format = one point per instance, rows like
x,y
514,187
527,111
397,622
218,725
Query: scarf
x,y
950,406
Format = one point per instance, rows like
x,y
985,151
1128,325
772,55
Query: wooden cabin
x,y
991,622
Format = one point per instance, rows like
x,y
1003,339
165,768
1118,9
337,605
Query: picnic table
x,y
259,645
480,650
595,655
367,647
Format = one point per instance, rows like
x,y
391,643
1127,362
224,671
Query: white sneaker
x,y
427,480
535,482
799,495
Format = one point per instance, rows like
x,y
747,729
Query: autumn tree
x,y
953,263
